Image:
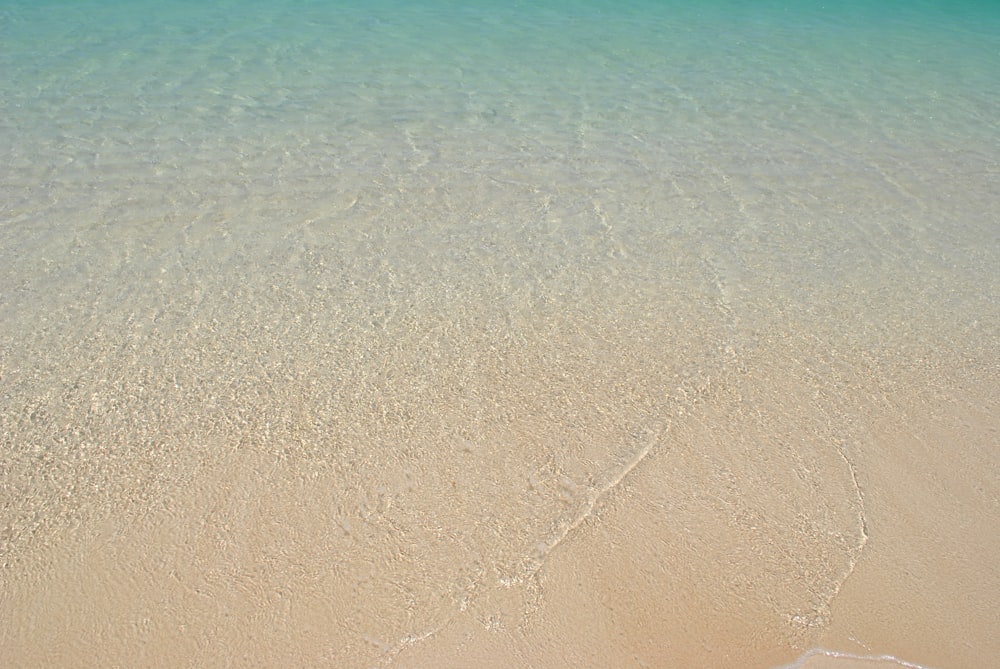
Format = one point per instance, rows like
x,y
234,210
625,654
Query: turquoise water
x,y
238,86
377,238
160,117
268,89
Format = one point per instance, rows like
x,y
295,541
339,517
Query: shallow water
x,y
357,335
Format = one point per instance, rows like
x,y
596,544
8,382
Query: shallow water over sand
x,y
425,335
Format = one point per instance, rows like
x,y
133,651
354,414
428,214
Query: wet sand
x,y
511,336
733,538
687,576
366,444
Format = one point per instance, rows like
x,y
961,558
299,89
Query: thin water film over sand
x,y
477,336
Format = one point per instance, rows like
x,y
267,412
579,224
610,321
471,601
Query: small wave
x,y
822,652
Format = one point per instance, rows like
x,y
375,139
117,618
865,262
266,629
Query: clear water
x,y
436,253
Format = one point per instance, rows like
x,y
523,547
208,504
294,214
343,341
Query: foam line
x,y
798,663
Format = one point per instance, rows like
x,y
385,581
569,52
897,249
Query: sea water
x,y
331,323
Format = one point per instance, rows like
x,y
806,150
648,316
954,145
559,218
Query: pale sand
x,y
680,583
723,547
371,440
